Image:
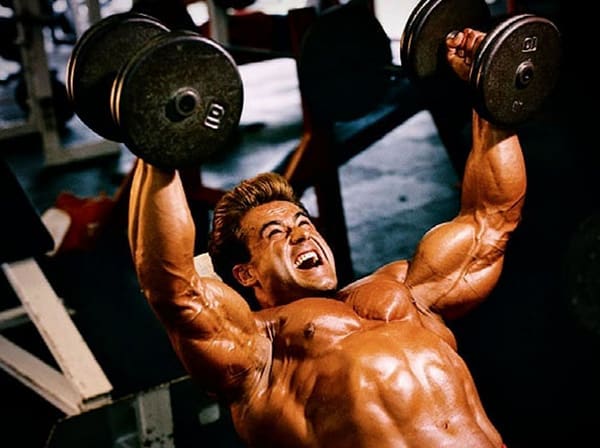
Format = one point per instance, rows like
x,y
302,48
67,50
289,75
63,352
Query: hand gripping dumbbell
x,y
173,98
345,66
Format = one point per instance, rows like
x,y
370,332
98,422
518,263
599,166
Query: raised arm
x,y
457,264
210,326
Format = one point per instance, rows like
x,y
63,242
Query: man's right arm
x,y
210,325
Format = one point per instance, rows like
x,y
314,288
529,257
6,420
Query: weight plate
x,y
342,67
422,43
515,69
178,100
95,61
407,36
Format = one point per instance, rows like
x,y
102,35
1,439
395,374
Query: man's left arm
x,y
458,263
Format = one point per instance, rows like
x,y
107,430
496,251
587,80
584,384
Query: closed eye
x,y
276,228
304,222
274,232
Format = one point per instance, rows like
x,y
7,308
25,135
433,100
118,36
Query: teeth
x,y
306,256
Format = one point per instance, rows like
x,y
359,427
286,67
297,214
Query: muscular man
x,y
369,365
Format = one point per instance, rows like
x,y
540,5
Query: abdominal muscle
x,y
362,383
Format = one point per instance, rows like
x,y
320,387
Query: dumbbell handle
x,y
400,71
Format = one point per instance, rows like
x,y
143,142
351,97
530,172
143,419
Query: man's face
x,y
289,259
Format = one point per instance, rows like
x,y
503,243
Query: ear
x,y
244,274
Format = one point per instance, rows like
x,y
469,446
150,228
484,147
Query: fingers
x,y
454,40
464,43
471,42
461,47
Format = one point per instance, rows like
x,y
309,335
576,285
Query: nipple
x,y
309,330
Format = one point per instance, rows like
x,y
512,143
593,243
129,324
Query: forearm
x,y
161,231
495,177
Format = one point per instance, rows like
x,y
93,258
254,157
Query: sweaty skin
x,y
370,365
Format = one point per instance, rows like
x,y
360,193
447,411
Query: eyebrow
x,y
276,222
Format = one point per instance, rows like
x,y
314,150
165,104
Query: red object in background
x,y
89,217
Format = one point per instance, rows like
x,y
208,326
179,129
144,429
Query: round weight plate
x,y
515,69
422,44
178,100
95,61
342,64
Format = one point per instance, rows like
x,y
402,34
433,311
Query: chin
x,y
323,287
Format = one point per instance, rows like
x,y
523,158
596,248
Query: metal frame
x,y
41,116
90,8
81,383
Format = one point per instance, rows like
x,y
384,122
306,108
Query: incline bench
x,y
80,384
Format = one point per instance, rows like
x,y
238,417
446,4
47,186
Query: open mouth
x,y
308,260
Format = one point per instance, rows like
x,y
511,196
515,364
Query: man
x,y
370,365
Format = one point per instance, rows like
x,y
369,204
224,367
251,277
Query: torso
x,y
344,374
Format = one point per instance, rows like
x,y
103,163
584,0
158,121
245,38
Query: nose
x,y
299,234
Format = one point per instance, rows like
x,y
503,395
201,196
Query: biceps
x,y
456,265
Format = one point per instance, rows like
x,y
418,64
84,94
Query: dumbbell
x,y
172,97
515,68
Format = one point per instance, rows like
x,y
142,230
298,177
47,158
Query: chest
x,y
383,300
309,327
312,326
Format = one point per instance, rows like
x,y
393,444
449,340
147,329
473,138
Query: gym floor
x,y
532,346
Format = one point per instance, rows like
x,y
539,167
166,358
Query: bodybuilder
x,y
371,364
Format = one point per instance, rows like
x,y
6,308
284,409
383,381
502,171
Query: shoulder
x,y
396,270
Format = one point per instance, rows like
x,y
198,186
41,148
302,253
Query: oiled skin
x,y
372,366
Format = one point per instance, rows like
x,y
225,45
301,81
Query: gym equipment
x,y
95,61
515,68
172,97
21,219
75,382
342,63
45,111
63,109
